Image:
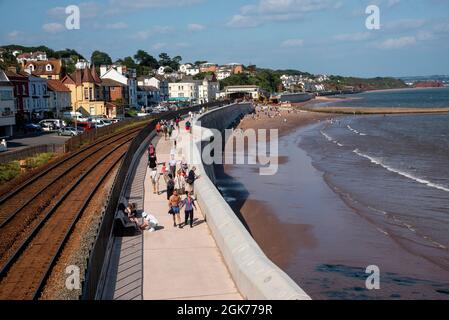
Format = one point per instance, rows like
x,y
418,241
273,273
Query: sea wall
x,y
256,277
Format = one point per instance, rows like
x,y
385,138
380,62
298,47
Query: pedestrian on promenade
x,y
155,177
158,128
151,150
170,186
188,126
165,129
152,162
190,180
172,163
149,221
189,204
173,204
180,182
164,172
184,166
170,130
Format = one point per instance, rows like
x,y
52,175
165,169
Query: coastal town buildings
x,y
148,96
23,58
7,106
208,67
21,93
250,91
87,93
158,82
189,69
125,76
37,104
194,91
47,69
59,98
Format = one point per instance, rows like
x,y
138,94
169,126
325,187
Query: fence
x,y
30,152
97,255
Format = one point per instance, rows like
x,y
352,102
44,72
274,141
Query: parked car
x,y
69,131
33,127
86,126
52,124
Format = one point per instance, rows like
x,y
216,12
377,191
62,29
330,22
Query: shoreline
x,y
302,232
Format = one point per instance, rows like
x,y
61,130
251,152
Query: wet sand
x,y
306,229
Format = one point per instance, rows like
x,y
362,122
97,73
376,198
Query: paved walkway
x,y
181,264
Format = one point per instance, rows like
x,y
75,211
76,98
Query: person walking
x,y
151,150
190,181
189,204
180,182
158,128
173,203
155,177
172,164
170,186
152,162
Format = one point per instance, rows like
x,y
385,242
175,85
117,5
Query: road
x,y
21,143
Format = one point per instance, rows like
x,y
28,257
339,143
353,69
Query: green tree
x,y
100,58
164,59
144,59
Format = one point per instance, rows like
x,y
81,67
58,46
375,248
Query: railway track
x,y
37,217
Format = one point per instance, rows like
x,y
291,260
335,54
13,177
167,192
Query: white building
x,y
223,73
37,103
59,97
82,64
31,56
189,69
125,76
208,90
159,82
7,106
195,91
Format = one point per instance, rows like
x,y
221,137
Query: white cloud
x,y
354,37
278,10
53,27
116,26
88,10
15,35
156,30
397,43
158,46
141,4
194,27
405,24
291,43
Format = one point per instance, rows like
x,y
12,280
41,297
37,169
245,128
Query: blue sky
x,y
319,36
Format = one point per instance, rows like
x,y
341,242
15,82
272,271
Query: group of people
x,y
178,176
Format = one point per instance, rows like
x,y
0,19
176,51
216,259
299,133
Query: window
x,y
6,95
49,67
91,94
86,93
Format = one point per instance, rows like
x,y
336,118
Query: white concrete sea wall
x,y
254,274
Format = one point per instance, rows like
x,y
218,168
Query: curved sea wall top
x,y
255,275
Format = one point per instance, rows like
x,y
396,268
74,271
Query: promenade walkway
x,y
181,264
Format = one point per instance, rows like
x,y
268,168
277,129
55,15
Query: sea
x,y
366,192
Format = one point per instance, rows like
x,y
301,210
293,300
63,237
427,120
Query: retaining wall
x,y
255,275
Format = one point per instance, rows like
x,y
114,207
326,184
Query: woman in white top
x,y
180,182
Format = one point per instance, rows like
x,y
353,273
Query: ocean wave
x,y
402,173
355,131
330,139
